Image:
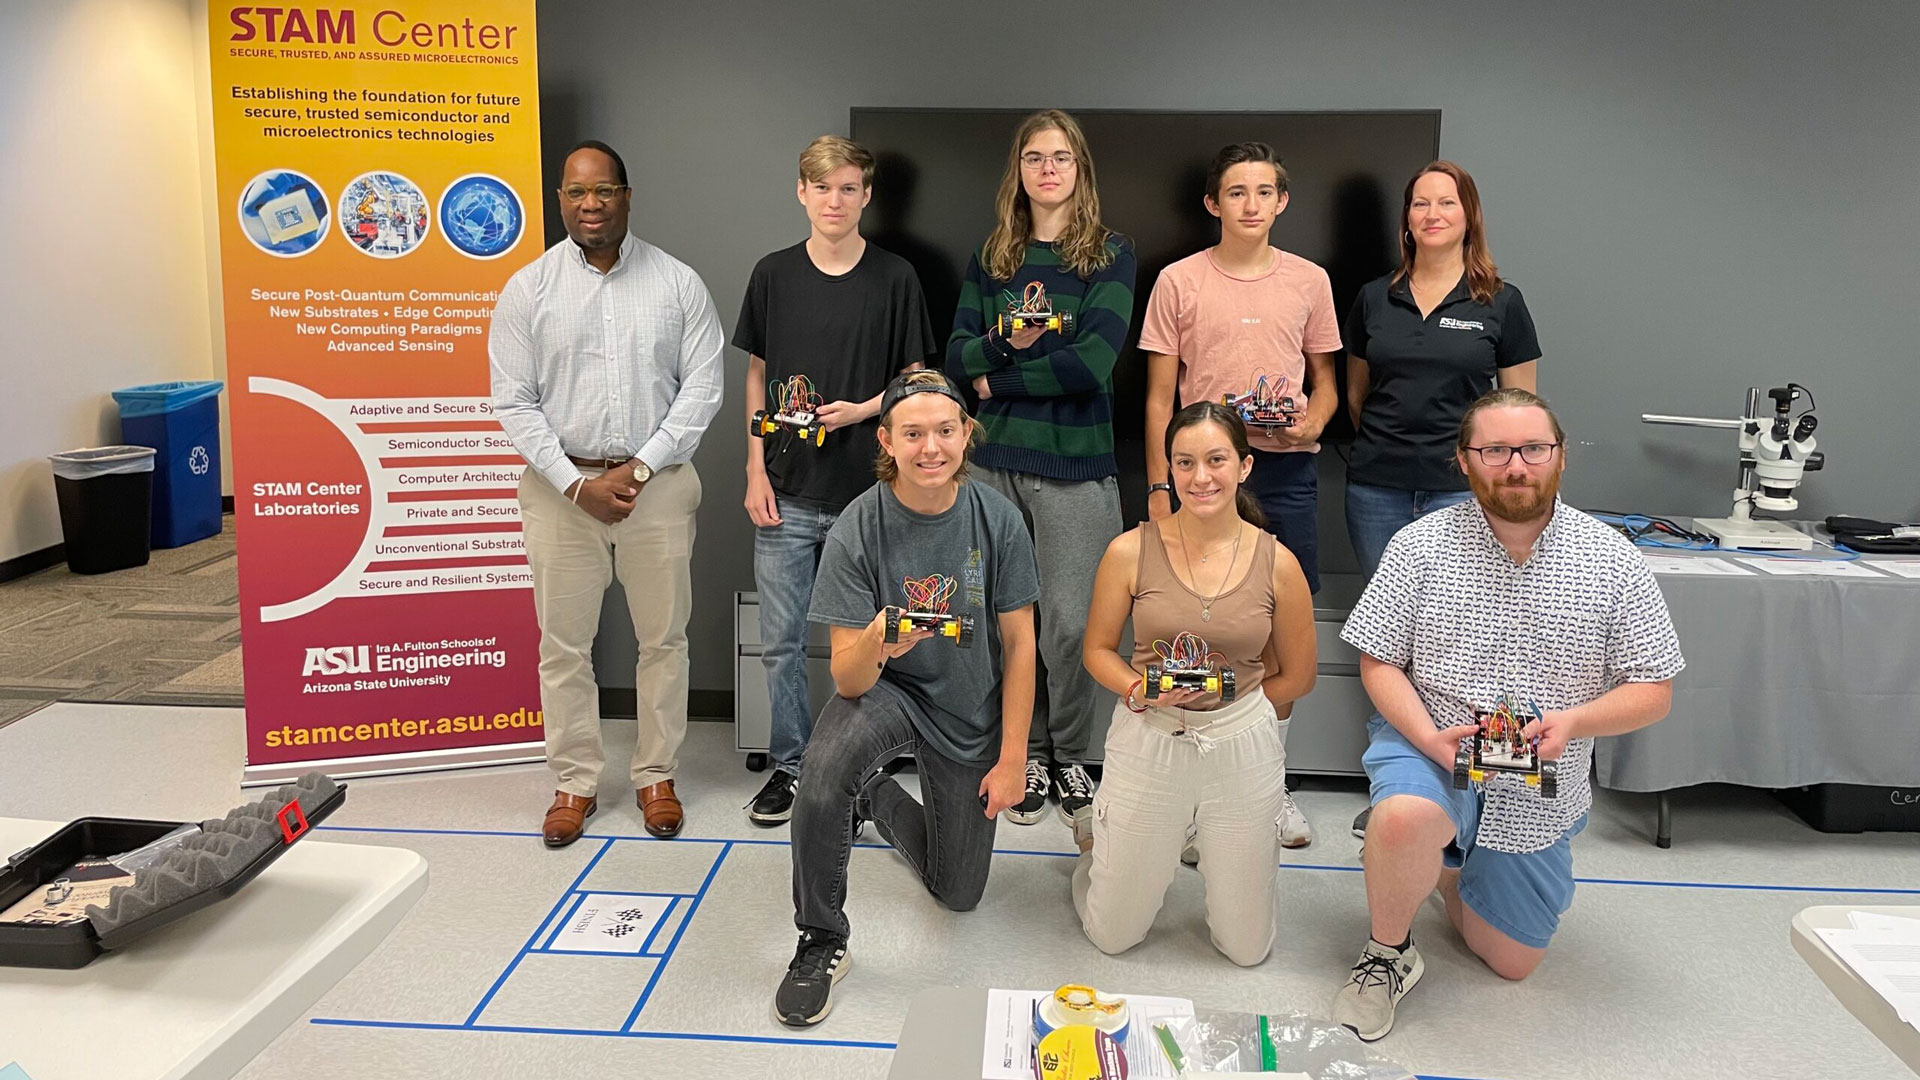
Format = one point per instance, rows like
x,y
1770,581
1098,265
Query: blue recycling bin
x,y
181,421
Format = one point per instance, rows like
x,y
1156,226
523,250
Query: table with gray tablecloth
x,y
1790,681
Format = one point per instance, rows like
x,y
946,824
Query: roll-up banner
x,y
378,171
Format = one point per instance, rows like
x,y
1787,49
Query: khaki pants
x,y
574,557
1225,778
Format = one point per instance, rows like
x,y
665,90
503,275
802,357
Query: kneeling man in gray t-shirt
x,y
923,540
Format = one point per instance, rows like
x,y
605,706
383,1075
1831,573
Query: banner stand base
x,y
347,768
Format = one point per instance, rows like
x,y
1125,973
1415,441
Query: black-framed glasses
x,y
1533,453
1033,159
575,193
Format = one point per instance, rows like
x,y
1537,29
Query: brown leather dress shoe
x,y
565,818
661,807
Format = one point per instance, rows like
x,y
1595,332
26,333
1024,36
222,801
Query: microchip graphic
x,y
289,216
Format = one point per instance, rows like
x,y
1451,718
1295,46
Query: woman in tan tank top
x,y
1224,624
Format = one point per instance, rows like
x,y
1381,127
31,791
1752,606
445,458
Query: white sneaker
x,y
1381,978
1294,830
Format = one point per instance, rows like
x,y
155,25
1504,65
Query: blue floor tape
x,y
1861,890
693,908
684,1036
576,893
535,936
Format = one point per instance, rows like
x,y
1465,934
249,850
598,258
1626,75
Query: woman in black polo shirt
x,y
1423,343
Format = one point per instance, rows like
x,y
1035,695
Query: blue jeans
x,y
785,559
1374,514
1287,487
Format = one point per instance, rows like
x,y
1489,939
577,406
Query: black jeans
x,y
949,841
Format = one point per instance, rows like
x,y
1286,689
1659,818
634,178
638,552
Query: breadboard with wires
x,y
1034,310
1498,745
1188,663
1268,405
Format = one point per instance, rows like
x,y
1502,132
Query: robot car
x,y
796,408
926,609
1187,664
1034,309
1266,406
1498,746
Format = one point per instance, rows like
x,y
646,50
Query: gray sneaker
x,y
1383,975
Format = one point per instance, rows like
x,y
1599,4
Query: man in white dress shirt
x,y
606,369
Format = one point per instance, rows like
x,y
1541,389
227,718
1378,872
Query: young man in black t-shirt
x,y
825,323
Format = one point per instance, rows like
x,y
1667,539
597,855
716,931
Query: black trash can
x,y
106,506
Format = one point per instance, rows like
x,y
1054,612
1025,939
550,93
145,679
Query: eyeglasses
x,y
1033,159
1533,453
574,193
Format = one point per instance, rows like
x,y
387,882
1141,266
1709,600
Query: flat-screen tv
x,y
938,169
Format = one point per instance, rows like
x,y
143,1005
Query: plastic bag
x,y
92,461
1220,1044
142,857
156,398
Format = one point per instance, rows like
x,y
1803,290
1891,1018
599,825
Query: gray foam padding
x,y
225,847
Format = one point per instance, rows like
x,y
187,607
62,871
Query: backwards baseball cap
x,y
909,383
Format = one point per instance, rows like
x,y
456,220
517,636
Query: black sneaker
x,y
774,804
1360,824
1075,789
1034,806
806,994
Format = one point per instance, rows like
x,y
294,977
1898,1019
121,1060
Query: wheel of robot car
x,y
1153,681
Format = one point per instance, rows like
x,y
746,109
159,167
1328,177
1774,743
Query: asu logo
x,y
343,660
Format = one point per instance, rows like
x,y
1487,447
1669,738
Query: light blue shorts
x,y
1522,896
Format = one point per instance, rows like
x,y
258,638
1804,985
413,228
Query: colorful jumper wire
x,y
930,593
1187,652
793,396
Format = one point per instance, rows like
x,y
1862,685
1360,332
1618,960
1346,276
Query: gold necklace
x,y
1206,602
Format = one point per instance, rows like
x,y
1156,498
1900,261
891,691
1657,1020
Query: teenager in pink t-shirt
x,y
1221,318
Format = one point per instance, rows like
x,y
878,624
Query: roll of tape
x,y
1076,1004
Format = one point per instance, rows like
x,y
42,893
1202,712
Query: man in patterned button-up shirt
x,y
1518,596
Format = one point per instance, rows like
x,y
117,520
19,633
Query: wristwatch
x,y
1161,486
642,472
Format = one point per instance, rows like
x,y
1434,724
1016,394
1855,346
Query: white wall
x,y
103,281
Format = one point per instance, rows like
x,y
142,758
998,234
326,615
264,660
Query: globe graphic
x,y
481,216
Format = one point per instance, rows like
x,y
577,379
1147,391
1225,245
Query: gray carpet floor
x,y
167,633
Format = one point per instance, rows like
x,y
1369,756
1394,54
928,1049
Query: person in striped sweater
x,y
1046,400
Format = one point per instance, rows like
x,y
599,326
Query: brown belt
x,y
598,463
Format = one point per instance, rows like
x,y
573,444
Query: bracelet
x,y
576,490
1138,684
